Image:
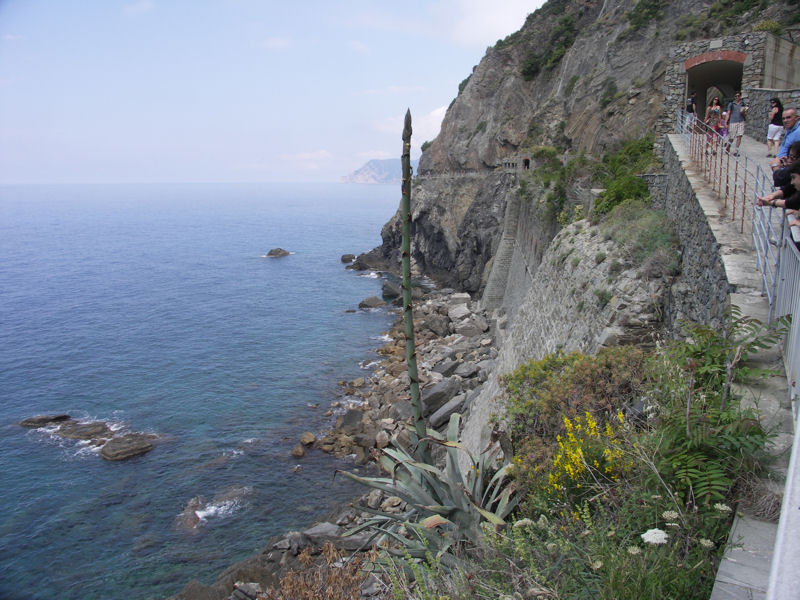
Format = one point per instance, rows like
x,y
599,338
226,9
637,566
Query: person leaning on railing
x,y
787,196
791,123
780,176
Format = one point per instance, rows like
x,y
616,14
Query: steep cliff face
x,y
580,76
456,225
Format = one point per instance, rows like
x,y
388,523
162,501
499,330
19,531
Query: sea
x,y
155,309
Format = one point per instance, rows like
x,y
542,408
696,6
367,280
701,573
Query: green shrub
x,y
464,83
769,25
603,297
644,13
644,237
619,189
531,66
571,84
628,462
609,92
617,171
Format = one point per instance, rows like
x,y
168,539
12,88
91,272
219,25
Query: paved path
x,y
745,568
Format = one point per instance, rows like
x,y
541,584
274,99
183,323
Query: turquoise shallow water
x,y
154,308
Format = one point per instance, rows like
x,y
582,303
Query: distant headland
x,y
378,171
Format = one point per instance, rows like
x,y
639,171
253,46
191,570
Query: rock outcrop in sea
x,y
114,445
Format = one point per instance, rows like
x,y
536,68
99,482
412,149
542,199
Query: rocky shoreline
x,y
456,351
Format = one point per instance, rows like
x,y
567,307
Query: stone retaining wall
x,y
758,115
700,294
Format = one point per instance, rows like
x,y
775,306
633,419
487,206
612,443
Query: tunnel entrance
x,y
714,74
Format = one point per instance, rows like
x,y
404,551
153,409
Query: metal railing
x,y
778,261
739,180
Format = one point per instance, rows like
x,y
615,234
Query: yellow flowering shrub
x,y
587,454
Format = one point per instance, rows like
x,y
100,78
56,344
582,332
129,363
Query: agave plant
x,y
445,507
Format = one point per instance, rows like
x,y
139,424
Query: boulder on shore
x,y
277,253
348,258
371,302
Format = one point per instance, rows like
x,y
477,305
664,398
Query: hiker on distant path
x,y
775,127
791,123
737,115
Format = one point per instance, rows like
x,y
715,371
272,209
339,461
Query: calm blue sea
x,y
152,306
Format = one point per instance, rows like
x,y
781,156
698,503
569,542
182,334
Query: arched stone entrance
x,y
721,69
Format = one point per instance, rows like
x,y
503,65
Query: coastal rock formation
x,y
127,446
277,253
44,420
96,433
371,302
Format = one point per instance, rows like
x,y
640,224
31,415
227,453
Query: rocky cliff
x,y
573,83
580,76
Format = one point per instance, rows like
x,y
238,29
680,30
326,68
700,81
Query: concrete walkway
x,y
745,568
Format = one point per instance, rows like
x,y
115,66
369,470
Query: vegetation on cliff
x,y
628,464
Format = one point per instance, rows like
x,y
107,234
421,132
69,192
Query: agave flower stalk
x,y
408,317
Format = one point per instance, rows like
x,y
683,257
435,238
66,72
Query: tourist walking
x,y
713,119
737,115
691,110
775,127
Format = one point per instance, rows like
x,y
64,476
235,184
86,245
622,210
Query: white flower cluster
x,y
523,523
655,536
670,515
722,507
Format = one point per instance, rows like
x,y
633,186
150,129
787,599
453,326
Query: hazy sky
x,y
229,90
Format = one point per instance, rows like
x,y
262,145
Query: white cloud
x,y
142,6
425,127
357,46
276,43
479,23
10,37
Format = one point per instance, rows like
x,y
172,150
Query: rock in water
x,y
42,420
85,431
348,258
127,446
277,253
371,302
